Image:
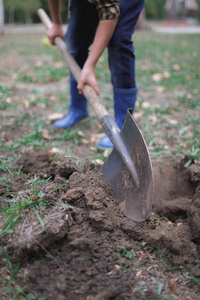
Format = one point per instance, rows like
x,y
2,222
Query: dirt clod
x,y
86,247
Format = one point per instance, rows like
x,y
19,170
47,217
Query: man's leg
x,y
82,25
122,63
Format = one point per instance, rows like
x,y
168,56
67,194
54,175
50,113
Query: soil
x,y
87,249
79,252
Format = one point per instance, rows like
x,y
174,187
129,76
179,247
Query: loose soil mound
x,y
89,250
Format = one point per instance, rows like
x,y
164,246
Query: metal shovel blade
x,y
135,199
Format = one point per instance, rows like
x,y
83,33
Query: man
x,y
102,23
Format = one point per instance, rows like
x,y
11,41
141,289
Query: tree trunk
x,y
1,17
28,17
11,15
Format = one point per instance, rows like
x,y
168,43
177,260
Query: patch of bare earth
x,y
84,239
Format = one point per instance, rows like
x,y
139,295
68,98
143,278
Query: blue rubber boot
x,y
77,110
123,99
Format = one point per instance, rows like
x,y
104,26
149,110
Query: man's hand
x,y
54,32
88,77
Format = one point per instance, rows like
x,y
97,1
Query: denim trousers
x,y
82,25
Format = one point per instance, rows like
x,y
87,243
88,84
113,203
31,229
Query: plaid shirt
x,y
107,9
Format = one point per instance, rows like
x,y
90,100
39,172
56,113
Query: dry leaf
x,y
107,152
45,134
41,105
188,77
146,104
84,141
176,67
143,68
139,275
34,198
179,224
54,150
98,162
189,96
95,137
55,116
160,141
115,269
80,133
58,64
157,77
52,98
8,100
153,119
174,287
5,137
25,104
159,89
39,63
166,75
166,147
138,115
172,121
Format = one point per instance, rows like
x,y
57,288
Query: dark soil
x,y
90,250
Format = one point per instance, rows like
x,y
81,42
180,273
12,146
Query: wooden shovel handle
x,y
88,91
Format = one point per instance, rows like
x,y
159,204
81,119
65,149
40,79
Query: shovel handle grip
x,y
88,91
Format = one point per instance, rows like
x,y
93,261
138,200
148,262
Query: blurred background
x,y
25,12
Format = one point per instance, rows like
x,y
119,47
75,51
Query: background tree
x,y
1,17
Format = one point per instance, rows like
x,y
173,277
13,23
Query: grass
x,y
15,205
33,86
174,55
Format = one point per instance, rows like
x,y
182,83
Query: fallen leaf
x,y
80,133
160,141
34,198
166,75
58,64
95,137
8,100
55,116
172,121
146,104
139,275
174,287
114,270
84,141
157,77
188,77
159,89
153,119
176,67
138,115
143,68
53,98
39,63
5,137
54,150
41,105
189,96
25,104
45,134
179,224
107,152
188,297
98,162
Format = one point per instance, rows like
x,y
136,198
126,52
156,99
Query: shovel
x,y
128,168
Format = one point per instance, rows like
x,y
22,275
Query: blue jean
x,y
82,26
